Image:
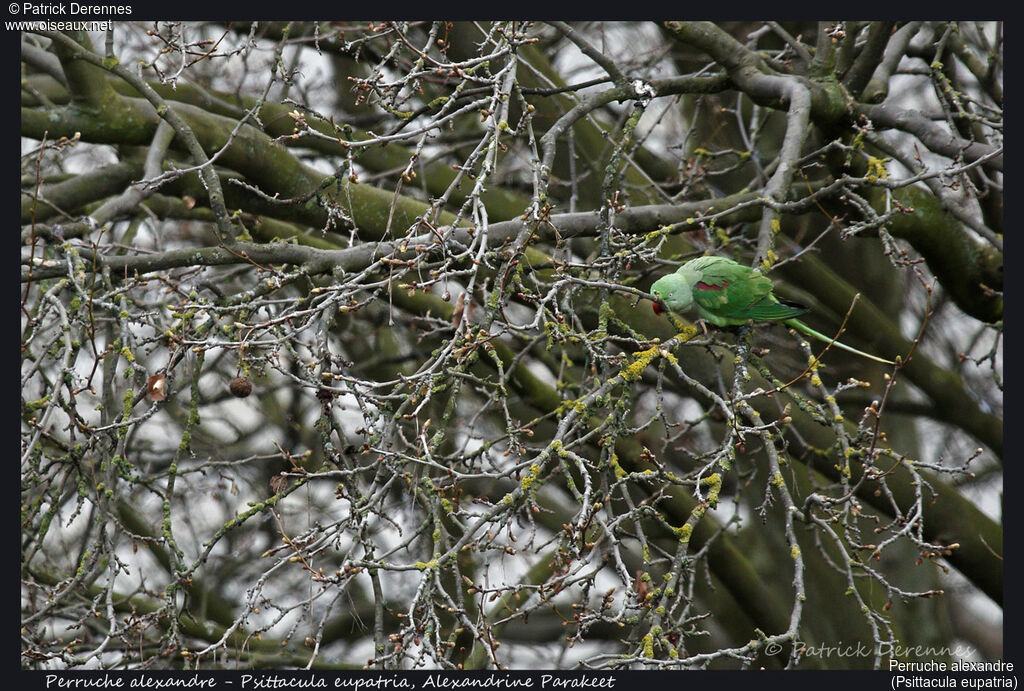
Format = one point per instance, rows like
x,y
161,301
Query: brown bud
x,y
640,586
240,387
460,306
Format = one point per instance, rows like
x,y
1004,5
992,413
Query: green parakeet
x,y
729,294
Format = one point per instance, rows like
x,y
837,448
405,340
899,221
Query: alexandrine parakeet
x,y
729,294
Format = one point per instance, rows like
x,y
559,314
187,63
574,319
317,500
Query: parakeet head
x,y
674,291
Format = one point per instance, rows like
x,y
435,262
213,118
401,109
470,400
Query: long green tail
x,y
803,328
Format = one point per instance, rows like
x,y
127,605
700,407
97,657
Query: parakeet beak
x,y
657,305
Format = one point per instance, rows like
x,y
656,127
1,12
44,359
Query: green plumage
x,y
725,293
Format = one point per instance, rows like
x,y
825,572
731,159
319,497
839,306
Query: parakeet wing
x,y
770,308
734,291
725,287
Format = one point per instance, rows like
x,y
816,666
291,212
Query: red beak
x,y
658,309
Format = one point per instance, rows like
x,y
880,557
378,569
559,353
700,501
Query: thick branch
x,y
932,135
870,56
184,132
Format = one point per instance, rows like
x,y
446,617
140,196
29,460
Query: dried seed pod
x,y
278,483
240,387
324,395
156,387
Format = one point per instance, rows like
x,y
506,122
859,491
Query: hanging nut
x,y
240,387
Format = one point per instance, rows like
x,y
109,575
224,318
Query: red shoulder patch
x,y
707,286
